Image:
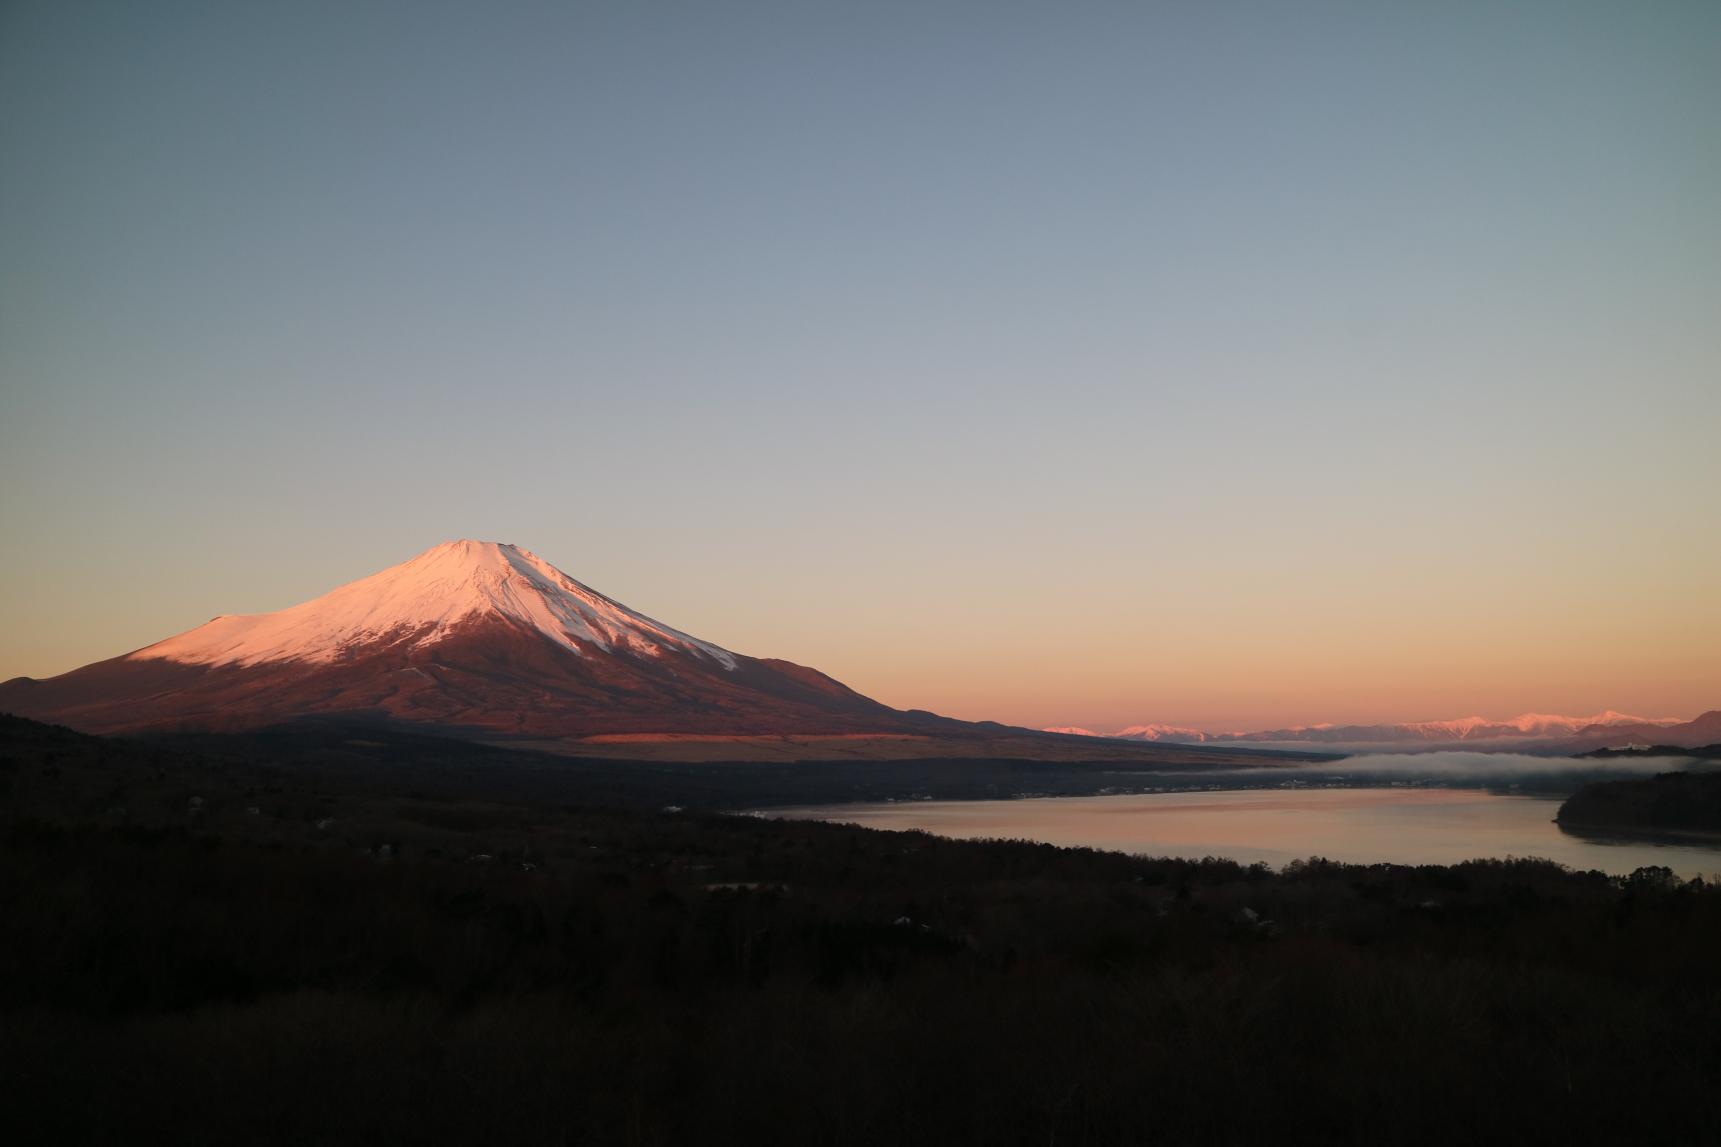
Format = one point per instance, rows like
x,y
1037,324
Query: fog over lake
x,y
1458,767
1439,809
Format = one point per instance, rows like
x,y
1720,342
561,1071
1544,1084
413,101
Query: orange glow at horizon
x,y
1298,643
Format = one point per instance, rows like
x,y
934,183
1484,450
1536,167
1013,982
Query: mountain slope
x,y
468,634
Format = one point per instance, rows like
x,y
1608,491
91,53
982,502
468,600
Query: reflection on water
x,y
1361,826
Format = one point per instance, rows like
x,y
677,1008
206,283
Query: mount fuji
x,y
470,635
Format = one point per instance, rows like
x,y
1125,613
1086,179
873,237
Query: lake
x,y
1356,825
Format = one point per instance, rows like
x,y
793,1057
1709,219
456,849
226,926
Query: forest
x,y
1672,802
323,936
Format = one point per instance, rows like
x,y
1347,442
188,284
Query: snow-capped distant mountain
x,y
1525,725
1523,729
1177,734
468,634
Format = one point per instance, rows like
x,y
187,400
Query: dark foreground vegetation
x,y
1679,802
1701,752
232,947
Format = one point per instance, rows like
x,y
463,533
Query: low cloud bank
x,y
1475,770
1490,765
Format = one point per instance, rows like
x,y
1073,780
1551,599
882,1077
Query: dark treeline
x,y
208,949
1667,802
1700,752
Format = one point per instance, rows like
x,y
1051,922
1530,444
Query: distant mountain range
x,y
474,635
1528,729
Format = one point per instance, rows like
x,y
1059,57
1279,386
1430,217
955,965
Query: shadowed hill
x,y
1667,802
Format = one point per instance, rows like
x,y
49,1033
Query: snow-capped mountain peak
x,y
420,601
1539,724
1161,733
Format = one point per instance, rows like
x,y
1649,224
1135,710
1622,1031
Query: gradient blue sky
x,y
1219,363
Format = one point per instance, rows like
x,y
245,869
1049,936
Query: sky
x,y
1222,364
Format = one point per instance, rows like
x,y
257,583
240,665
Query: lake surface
x,y
1357,825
